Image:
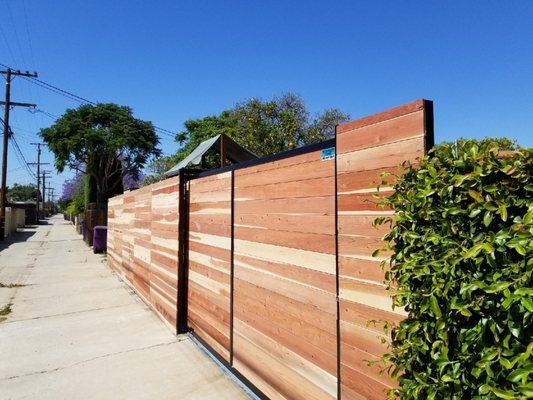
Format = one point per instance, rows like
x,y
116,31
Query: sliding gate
x,y
276,273
262,273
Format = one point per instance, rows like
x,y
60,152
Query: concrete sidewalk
x,y
76,332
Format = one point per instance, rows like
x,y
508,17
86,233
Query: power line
x,y
18,152
14,26
28,32
79,99
62,92
20,156
15,169
50,115
7,43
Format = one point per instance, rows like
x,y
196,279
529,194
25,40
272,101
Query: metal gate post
x,y
183,249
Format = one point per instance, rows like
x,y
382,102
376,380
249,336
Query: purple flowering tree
x,y
72,187
131,181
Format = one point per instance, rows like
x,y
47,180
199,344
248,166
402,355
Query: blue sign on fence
x,y
328,154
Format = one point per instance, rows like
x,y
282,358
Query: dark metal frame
x,y
232,267
183,250
429,125
237,374
337,284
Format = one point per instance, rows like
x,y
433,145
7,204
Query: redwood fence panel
x,y
284,291
270,261
143,244
366,148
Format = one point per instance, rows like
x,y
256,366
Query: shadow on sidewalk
x,y
17,237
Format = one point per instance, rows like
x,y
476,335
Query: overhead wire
x,y
8,46
20,155
18,152
30,45
79,99
14,28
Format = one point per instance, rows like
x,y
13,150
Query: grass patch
x,y
5,311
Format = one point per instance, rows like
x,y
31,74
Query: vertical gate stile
x,y
429,137
338,329
183,249
232,265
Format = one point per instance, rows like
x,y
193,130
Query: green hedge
x,y
461,266
76,205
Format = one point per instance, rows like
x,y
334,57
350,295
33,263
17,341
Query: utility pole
x,y
9,73
38,163
44,191
51,196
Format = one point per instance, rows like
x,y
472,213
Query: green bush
x,y
461,240
77,205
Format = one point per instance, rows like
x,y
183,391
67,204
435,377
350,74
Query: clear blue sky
x,y
175,60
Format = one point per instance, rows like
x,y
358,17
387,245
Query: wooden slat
x,y
290,173
378,134
320,243
313,187
381,116
313,223
386,156
318,279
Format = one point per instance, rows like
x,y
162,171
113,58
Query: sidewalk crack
x,y
46,371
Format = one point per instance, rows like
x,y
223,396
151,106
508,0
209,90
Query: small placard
x,y
328,154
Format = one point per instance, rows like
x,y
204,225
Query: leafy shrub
x,y
461,240
77,205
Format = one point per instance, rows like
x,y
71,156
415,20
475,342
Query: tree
x,y
130,182
73,187
104,141
263,127
18,192
157,169
73,190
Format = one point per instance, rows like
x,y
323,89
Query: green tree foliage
x,y
157,168
263,127
104,141
19,192
461,266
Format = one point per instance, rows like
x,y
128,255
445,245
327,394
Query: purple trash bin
x,y
100,239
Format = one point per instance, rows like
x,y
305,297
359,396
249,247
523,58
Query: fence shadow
x,y
17,237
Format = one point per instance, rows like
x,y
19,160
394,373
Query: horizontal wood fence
x,y
142,244
269,262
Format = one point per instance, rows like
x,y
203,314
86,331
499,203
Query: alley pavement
x,y
70,329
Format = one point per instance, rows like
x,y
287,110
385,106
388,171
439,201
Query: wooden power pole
x,y
9,73
38,163
45,173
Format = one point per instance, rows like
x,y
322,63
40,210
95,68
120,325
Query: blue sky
x,y
175,60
